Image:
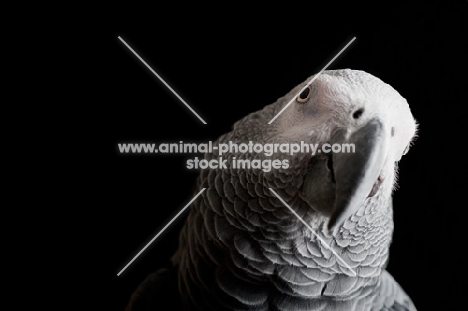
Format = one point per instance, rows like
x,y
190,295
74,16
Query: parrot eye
x,y
304,96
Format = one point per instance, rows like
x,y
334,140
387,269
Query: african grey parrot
x,y
241,248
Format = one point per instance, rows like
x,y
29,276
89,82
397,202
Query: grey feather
x,y
242,249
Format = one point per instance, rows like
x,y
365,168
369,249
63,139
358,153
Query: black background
x,y
231,61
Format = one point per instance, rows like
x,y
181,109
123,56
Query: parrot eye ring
x,y
304,96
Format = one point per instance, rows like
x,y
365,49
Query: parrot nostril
x,y
357,114
393,131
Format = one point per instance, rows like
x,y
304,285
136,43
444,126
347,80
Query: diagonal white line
x,y
167,85
312,230
310,82
159,233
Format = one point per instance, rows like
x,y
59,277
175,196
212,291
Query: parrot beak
x,y
356,173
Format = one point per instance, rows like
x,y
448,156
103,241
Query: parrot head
x,y
364,123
